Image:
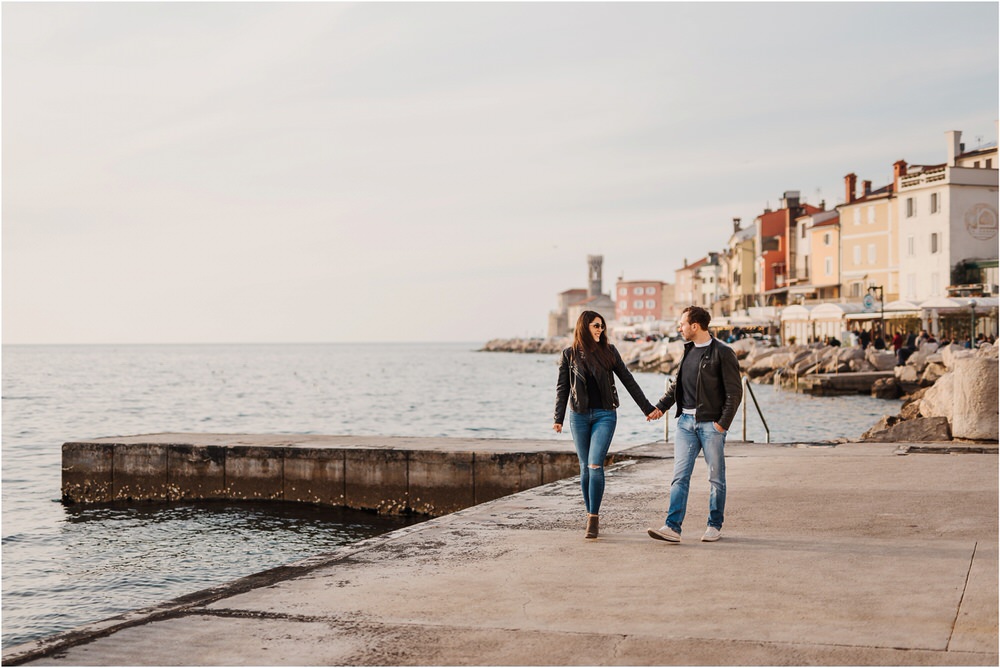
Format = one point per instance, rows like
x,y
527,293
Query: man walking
x,y
707,391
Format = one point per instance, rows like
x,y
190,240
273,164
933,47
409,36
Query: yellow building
x,y
869,239
824,258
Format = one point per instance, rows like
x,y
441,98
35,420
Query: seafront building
x,y
920,252
643,301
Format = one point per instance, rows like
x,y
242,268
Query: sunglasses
x,y
597,324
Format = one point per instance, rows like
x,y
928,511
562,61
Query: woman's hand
x,y
655,415
557,428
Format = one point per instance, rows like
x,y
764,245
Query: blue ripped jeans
x,y
694,437
592,432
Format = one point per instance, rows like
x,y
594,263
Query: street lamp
x,y
972,331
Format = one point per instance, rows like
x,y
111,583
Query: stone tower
x,y
594,282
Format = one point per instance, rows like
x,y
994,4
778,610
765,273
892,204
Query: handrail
x,y
749,390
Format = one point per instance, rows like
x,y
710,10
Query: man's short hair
x,y
697,314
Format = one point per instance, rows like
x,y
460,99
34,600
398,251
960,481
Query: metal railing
x,y
747,391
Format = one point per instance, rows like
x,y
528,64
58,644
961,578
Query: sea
x,y
67,565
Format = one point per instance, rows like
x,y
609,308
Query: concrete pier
x,y
432,476
833,384
854,554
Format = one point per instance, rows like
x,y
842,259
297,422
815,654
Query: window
x,y
975,164
871,254
857,216
637,291
935,281
911,207
828,266
934,242
804,230
857,255
637,304
650,303
989,163
650,290
910,246
855,289
827,239
911,285
934,203
871,215
623,291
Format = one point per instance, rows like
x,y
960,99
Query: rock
x,y
886,388
931,373
884,423
743,347
916,430
974,409
937,401
880,359
910,411
908,378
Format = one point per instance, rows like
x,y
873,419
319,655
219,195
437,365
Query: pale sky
x,y
326,172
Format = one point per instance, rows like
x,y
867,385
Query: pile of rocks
x,y
960,404
542,346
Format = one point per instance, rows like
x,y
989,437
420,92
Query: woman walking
x,y
586,379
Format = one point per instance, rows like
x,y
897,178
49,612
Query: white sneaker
x,y
664,533
711,534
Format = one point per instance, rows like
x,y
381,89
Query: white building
x,y
947,218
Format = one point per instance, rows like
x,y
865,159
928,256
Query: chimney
x,y
954,145
822,205
867,187
790,199
851,186
898,170
736,225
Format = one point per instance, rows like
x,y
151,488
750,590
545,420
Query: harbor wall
x,y
388,475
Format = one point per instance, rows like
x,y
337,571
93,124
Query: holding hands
x,y
655,415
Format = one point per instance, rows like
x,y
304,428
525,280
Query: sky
x,y
337,172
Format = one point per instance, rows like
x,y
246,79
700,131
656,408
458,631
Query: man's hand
x,y
557,428
718,428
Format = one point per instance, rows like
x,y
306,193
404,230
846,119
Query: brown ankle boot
x,y
591,526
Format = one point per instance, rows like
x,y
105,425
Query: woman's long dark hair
x,y
592,352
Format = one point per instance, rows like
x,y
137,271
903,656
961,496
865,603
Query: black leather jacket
x,y
572,385
719,388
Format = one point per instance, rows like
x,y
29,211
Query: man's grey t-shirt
x,y
689,377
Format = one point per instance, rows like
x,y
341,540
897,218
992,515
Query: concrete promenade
x,y
854,554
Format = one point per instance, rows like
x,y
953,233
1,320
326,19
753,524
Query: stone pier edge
x,y
184,604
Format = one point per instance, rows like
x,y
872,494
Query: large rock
x,y
910,431
932,372
880,359
974,409
886,388
938,399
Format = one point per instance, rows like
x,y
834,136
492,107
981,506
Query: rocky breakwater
x,y
764,363
537,345
961,404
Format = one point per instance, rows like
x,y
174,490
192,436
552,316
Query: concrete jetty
x,y
432,476
848,554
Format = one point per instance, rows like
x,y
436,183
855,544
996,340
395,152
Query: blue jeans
x,y
691,438
592,432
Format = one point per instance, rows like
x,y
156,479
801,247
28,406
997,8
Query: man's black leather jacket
x,y
573,386
719,388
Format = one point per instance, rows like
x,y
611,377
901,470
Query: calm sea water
x,y
65,566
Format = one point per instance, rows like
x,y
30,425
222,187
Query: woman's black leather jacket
x,y
572,384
